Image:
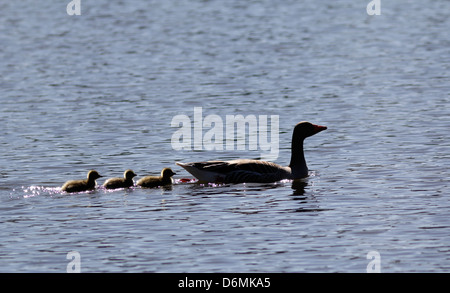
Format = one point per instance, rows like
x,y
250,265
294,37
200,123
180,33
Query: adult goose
x,y
125,182
244,170
82,185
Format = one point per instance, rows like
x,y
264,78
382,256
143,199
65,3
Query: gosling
x,y
155,181
125,182
82,185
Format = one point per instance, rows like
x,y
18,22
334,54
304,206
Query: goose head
x,y
306,129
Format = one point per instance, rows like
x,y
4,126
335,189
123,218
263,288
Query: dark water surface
x,y
99,91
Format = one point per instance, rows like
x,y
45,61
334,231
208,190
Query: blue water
x,y
99,91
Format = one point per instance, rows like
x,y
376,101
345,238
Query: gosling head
x,y
93,175
167,173
129,174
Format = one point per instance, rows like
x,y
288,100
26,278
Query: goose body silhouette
x,y
245,170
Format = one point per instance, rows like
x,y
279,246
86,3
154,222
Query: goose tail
x,y
201,175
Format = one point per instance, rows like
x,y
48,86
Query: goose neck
x,y
298,162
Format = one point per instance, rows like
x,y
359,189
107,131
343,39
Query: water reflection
x,y
197,188
298,185
308,203
167,187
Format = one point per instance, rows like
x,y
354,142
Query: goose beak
x,y
319,128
